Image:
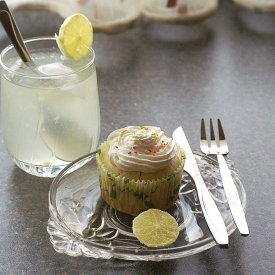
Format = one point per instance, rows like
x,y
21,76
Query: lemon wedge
x,y
75,36
155,228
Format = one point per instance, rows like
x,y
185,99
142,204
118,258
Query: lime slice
x,y
155,228
75,36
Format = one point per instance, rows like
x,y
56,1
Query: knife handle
x,y
211,213
232,196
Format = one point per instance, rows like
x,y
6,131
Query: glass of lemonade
x,y
52,117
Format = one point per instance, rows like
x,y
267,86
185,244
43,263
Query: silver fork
x,y
228,183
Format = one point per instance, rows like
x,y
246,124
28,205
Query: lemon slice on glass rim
x,y
155,228
75,36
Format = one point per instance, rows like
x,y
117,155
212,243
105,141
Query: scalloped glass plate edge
x,y
106,233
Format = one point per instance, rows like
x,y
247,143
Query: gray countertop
x,y
165,75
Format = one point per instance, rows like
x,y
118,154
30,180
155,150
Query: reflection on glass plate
x,y
81,223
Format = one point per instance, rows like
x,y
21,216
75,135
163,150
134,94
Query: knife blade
x,y
210,210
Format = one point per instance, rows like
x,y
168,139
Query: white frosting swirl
x,y
140,148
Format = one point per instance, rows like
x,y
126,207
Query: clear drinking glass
x,y
49,118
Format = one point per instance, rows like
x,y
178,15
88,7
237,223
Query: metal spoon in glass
x,y
15,36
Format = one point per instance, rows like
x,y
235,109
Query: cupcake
x,y
139,168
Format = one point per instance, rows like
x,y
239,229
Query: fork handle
x,y
232,196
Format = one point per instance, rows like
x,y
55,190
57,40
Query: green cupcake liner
x,y
134,196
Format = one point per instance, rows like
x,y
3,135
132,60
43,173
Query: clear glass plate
x,y
81,223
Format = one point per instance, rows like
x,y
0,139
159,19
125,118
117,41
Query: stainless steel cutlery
x,y
220,149
211,212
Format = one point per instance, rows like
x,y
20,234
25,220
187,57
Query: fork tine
x,y
222,140
203,132
220,129
212,136
203,140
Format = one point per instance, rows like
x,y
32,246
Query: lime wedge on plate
x,y
155,228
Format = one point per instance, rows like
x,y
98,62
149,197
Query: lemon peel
x,y
155,228
75,36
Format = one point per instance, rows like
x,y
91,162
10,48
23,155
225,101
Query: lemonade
x,y
49,119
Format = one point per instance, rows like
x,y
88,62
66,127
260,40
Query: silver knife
x,y
211,212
